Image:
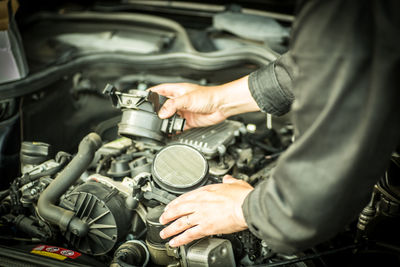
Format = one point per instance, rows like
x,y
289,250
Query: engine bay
x,y
87,166
107,199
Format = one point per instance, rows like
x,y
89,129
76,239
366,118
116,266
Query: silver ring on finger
x,y
188,221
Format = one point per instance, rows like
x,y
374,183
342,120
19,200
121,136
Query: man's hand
x,y
198,104
205,105
209,210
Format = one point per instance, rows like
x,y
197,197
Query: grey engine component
x,y
104,211
139,115
210,252
179,168
209,140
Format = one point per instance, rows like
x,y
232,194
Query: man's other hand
x,y
209,210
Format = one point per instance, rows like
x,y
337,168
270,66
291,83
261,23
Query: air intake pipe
x,y
47,204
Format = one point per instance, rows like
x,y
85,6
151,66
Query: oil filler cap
x,y
179,168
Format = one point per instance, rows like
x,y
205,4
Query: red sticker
x,y
57,250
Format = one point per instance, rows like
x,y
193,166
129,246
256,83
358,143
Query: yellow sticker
x,y
55,252
49,254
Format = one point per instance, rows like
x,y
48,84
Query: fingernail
x,y
165,209
162,113
161,220
162,234
171,243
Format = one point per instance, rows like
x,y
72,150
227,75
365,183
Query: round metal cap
x,y
179,168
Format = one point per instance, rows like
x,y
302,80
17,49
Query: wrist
x,y
239,214
235,98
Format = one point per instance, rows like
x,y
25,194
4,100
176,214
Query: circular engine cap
x,y
179,168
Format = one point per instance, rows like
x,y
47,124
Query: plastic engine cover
x,y
104,211
208,139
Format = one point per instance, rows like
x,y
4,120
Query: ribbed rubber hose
x,y
47,207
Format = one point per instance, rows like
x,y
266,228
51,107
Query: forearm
x,y
268,89
235,98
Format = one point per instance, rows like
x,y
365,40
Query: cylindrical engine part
x,y
47,207
154,226
159,255
30,227
179,168
140,123
32,154
155,244
104,211
139,165
131,253
119,168
139,115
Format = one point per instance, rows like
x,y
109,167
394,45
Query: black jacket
x,y
341,81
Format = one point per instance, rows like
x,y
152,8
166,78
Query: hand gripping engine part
x,y
179,168
47,208
139,115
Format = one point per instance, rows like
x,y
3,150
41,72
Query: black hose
x,y
47,208
265,147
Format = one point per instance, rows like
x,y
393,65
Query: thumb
x,y
228,179
171,106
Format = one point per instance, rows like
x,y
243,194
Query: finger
x,y
174,212
165,89
171,89
171,106
202,119
186,237
228,179
187,197
183,205
187,127
179,225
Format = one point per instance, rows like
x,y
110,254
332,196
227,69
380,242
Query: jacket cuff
x,y
247,217
266,91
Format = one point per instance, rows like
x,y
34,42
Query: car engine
x,y
87,166
106,200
